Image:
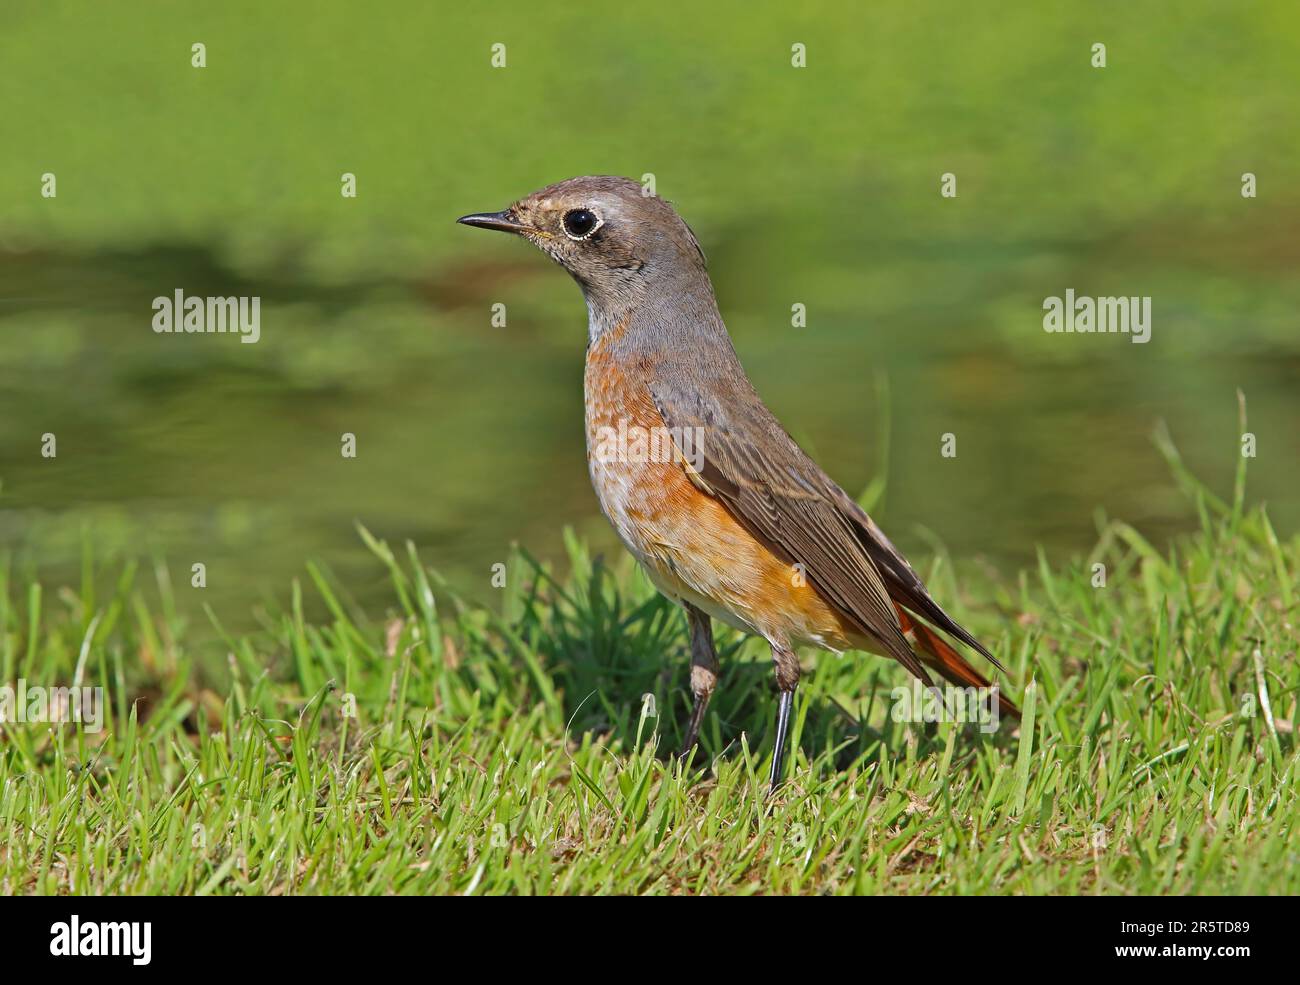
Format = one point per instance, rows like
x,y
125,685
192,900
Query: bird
x,y
725,512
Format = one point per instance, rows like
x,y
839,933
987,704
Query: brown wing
x,y
781,497
904,585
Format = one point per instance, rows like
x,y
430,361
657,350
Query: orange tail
x,y
937,653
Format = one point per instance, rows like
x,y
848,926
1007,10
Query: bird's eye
x,y
580,223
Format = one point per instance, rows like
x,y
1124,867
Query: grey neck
x,y
675,309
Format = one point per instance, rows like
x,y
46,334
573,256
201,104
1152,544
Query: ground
x,y
524,748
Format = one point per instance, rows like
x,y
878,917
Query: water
x,y
469,437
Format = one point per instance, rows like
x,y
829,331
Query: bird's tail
x,y
937,653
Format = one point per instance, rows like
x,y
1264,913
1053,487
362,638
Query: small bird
x,y
728,516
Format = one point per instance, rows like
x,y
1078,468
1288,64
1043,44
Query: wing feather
x,y
781,496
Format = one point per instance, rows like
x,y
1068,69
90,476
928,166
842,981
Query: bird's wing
x,y
905,586
740,455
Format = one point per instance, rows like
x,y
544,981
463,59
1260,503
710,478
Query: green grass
x,y
512,751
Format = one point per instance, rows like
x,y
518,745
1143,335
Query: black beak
x,y
505,221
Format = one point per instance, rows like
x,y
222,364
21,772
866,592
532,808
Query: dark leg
x,y
787,679
704,671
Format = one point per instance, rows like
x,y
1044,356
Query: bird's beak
x,y
505,221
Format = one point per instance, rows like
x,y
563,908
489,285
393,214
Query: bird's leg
x,y
704,671
786,665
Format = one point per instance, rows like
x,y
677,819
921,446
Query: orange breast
x,y
689,543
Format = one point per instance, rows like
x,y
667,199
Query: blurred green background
x,y
816,185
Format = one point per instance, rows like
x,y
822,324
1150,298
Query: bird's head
x,y
616,241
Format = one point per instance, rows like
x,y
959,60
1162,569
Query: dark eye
x,y
580,223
